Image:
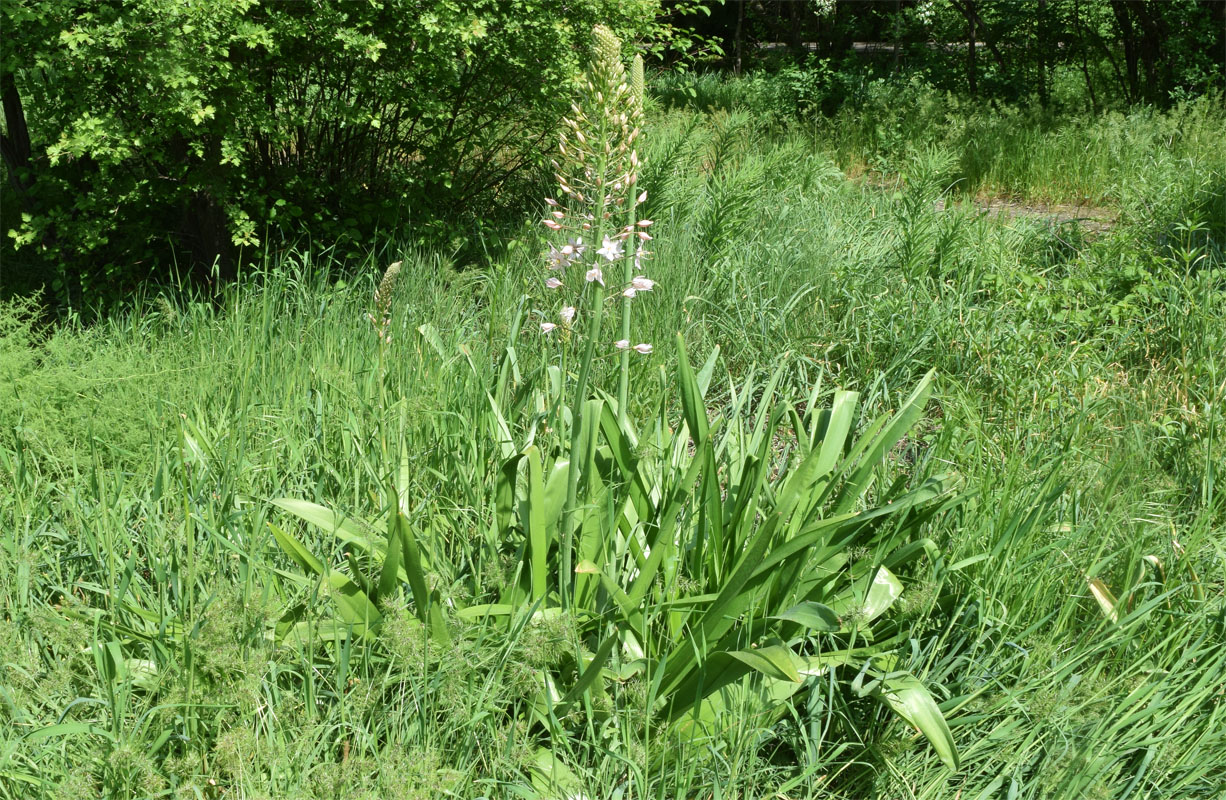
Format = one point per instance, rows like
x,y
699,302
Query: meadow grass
x,y
1071,627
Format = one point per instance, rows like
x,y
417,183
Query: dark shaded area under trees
x,y
1126,51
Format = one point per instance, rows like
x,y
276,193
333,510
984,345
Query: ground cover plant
x,y
896,497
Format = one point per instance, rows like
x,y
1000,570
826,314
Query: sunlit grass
x,y
1072,628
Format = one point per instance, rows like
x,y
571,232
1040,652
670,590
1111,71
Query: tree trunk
x,y
15,145
736,38
1128,37
972,80
1042,45
1083,34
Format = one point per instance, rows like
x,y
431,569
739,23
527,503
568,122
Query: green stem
x,y
623,378
567,528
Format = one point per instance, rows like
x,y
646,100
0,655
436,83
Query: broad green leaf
x,y
911,700
504,493
353,605
538,541
773,661
389,577
813,615
882,593
552,778
902,421
489,610
430,334
297,551
344,528
692,404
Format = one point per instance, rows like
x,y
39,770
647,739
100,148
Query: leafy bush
x,y
212,127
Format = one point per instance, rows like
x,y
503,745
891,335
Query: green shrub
x,y
212,127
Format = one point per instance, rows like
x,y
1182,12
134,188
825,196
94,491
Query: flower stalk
x,y
596,170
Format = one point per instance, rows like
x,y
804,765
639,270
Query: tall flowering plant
x,y
600,249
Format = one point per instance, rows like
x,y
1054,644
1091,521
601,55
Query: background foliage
x,y
138,128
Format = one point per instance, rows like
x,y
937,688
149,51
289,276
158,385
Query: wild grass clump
x,y
259,547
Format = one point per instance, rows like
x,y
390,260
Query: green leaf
x,y
538,541
773,661
344,528
881,442
297,551
389,577
882,593
813,615
692,404
909,699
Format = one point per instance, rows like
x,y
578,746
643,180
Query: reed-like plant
x,y
697,557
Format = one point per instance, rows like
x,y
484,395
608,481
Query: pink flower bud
x,y
643,348
622,344
642,283
551,225
553,283
546,327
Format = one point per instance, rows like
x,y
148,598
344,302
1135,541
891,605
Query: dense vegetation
x,y
869,449
159,140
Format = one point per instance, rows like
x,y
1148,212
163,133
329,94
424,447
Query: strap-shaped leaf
x,y
815,616
297,551
347,529
910,700
692,405
538,541
882,592
504,493
889,435
389,576
774,661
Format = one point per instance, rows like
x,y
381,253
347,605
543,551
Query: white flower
x,y
643,348
574,247
622,344
553,283
611,249
567,314
546,327
629,292
642,283
558,259
594,274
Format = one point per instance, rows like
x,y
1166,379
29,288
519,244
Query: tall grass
x,y
1126,158
1070,627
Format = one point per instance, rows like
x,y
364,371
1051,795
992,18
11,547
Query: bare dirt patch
x,y
1093,220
